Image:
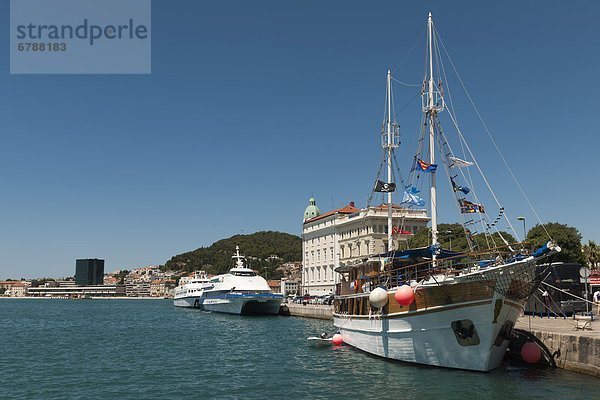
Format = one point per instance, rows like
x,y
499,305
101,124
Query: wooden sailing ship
x,y
430,305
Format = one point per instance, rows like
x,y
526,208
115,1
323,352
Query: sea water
x,y
148,349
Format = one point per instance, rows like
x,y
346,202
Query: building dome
x,y
312,210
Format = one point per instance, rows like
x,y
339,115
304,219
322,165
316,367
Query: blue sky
x,y
251,107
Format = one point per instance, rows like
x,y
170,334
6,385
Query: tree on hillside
x,y
567,237
257,247
452,237
121,277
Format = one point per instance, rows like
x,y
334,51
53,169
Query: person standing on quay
x,y
597,301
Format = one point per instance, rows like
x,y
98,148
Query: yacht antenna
x,y
238,263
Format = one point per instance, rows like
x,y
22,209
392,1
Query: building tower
x,y
312,210
89,271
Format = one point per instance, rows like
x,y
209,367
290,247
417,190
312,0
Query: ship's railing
x,y
463,263
397,273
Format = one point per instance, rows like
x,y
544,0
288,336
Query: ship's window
x,y
244,273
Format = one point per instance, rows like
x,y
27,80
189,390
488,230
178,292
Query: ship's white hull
x,y
191,301
436,332
427,337
267,304
244,305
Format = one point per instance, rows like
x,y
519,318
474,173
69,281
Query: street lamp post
x,y
524,231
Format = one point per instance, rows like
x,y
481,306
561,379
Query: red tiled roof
x,y
385,206
343,210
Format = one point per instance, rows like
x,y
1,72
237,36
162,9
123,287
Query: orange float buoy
x,y
404,295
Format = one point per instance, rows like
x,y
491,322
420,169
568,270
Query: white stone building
x,y
347,234
19,290
289,286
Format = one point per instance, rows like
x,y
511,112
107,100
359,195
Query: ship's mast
x,y
431,112
389,158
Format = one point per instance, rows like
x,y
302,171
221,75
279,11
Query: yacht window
x,y
244,273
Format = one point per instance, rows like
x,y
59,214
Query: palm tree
x,y
591,252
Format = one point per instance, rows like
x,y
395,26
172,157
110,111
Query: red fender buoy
x,y
404,295
530,352
337,339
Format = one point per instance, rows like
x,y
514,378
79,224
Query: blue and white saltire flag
x,y
411,189
412,199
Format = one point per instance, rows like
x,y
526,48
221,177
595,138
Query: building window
x,y
318,256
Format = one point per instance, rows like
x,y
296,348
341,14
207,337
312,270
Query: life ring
x,y
356,285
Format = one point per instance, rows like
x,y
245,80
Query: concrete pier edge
x,y
307,311
576,350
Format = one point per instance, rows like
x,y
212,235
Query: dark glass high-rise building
x,y
89,271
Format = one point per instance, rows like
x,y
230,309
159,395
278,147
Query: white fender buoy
x,y
378,297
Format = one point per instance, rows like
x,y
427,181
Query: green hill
x,y
257,247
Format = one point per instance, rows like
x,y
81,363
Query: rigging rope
x,y
407,84
494,142
410,51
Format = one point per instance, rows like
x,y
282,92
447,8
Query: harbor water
x,y
148,349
